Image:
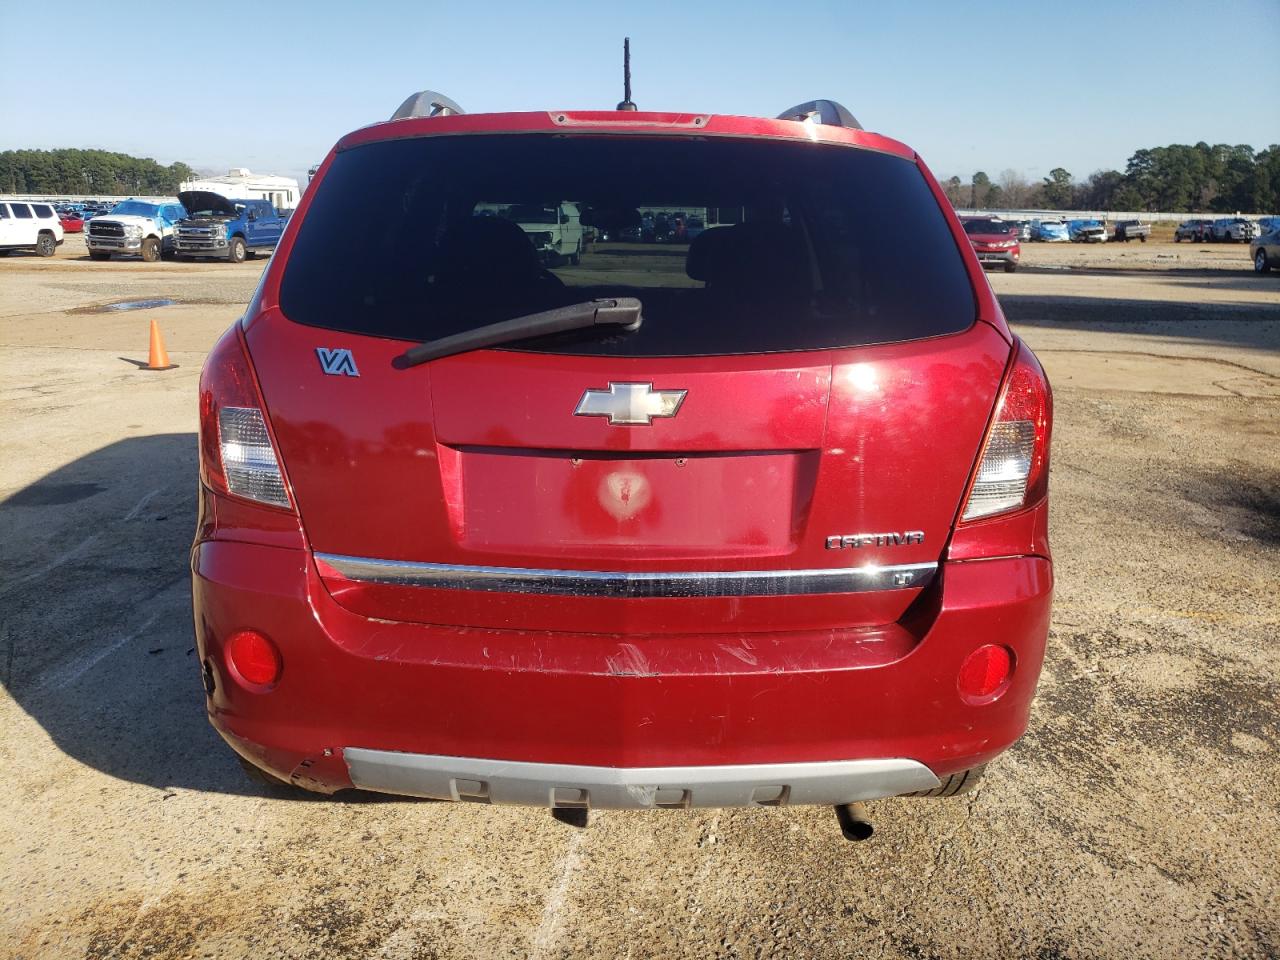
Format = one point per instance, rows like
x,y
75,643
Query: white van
x,y
555,229
29,226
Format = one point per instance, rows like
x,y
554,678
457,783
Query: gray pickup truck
x,y
1127,230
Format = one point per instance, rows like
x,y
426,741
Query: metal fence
x,y
1110,215
82,198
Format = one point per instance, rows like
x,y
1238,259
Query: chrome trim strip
x,y
600,583
634,788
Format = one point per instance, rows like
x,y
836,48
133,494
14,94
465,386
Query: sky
x,y
271,85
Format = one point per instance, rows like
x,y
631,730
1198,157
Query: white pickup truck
x,y
134,226
29,226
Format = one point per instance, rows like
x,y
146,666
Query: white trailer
x,y
241,184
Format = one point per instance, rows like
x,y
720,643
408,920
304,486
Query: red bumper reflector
x,y
985,671
253,658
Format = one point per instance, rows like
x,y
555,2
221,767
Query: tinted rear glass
x,y
732,246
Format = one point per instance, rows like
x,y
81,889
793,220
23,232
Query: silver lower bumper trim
x,y
634,788
635,585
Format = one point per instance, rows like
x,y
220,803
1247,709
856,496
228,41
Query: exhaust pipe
x,y
854,821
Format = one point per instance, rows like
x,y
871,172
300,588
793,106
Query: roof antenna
x,y
626,103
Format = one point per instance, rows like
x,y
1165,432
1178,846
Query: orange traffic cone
x,y
159,359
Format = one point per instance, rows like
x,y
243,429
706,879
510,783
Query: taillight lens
x,y
1014,469
254,658
236,454
985,671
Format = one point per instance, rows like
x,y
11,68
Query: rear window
x,y
732,246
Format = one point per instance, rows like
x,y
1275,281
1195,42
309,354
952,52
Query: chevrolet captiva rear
x,y
622,460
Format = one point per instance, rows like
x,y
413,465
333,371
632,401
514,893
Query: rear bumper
x,y
634,788
684,720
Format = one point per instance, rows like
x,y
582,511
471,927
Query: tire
x,y
1177,238
98,255
237,251
1260,262
954,785
5,253
46,245
1143,238
151,249
1010,266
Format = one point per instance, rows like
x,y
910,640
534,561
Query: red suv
x,y
994,241
754,519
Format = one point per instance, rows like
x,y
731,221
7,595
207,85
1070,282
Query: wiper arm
x,y
623,312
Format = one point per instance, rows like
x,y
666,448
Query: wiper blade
x,y
622,312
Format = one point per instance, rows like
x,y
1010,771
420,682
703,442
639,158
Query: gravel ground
x,y
1137,818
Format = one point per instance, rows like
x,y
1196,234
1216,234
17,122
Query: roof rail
x,y
826,112
427,103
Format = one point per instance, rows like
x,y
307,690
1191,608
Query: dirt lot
x,y
1137,818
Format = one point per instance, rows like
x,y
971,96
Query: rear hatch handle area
x,y
621,312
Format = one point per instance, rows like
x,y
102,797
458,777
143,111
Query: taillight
x,y
1014,469
985,671
254,658
236,454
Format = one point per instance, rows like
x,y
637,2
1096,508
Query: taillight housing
x,y
1013,471
237,456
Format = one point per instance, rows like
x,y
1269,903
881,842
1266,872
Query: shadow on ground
x,y
1248,324
96,641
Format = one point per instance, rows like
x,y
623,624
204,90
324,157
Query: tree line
x,y
70,171
1221,178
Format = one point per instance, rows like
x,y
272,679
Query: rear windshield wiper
x,y
623,312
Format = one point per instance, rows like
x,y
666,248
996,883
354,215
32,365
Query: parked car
x,y
1050,231
1127,230
134,226
1087,231
759,523
994,241
1233,230
223,229
1265,250
1267,225
29,226
1022,229
72,222
1197,231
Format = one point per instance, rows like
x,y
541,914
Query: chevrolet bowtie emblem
x,y
630,403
